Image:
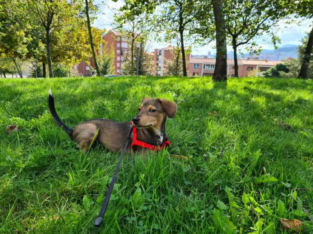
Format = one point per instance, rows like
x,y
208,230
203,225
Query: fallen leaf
x,y
292,224
11,128
213,113
285,125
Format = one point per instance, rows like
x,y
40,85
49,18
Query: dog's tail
x,y
55,116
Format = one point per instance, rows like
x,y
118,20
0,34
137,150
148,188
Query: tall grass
x,y
250,150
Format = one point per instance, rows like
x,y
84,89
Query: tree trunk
x,y
181,33
132,56
306,58
235,56
49,52
4,75
220,72
44,74
91,40
19,71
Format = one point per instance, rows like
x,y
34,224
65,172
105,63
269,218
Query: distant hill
x,y
285,52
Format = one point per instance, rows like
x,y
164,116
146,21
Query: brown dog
x,y
149,123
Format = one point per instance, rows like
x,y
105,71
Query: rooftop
x,y
240,61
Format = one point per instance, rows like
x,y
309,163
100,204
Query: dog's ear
x,y
169,107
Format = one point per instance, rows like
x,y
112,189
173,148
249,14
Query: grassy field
x,y
250,150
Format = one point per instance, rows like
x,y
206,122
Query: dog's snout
x,y
136,120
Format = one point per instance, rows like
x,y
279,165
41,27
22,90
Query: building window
x,y
124,45
159,52
118,64
209,67
249,68
195,74
118,58
118,38
196,66
124,38
118,52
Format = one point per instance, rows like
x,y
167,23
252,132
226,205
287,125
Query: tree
x,y
106,60
246,19
53,21
35,70
7,67
46,13
306,57
175,17
220,72
303,8
132,27
14,36
87,12
307,68
143,59
175,67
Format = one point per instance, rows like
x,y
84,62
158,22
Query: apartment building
x,y
206,66
113,40
162,57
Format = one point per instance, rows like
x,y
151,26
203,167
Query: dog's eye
x,y
152,110
139,109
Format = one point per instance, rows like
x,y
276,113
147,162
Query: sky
x,y
290,34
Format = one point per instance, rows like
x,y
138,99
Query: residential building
x,y
162,57
113,40
206,66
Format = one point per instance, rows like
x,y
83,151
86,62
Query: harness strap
x,y
145,145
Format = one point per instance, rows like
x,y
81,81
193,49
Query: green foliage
x,y
145,61
106,60
7,66
36,71
276,71
14,29
175,67
246,20
249,148
60,70
106,65
291,67
24,25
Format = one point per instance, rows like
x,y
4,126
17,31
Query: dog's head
x,y
153,112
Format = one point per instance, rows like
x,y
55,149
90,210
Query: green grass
x,y
250,150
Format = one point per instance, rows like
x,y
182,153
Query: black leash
x,y
104,206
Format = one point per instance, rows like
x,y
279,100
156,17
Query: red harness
x,y
142,144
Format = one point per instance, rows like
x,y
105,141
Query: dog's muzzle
x,y
136,120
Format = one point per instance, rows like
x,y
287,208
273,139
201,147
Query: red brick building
x,y
113,40
162,57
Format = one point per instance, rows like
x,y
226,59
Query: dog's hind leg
x,y
86,135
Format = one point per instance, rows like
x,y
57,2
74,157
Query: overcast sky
x,y
288,33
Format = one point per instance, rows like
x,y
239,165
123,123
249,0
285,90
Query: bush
x,y
277,70
60,70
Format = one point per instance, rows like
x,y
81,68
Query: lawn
x,y
250,150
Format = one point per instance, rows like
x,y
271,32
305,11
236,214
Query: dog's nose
x,y
136,120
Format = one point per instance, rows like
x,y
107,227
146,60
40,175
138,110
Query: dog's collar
x,y
145,145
